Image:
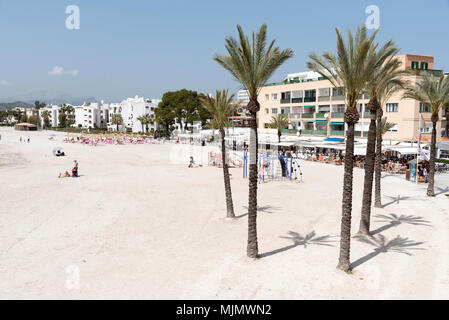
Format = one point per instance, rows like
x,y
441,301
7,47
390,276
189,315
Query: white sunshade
x,y
403,150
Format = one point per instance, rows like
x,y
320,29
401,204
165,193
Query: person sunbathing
x,y
66,174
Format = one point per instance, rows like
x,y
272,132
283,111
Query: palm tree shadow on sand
x,y
394,220
265,209
441,190
383,245
397,200
298,240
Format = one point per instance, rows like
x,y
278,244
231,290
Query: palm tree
x,y
145,120
387,73
142,121
279,122
222,107
381,125
434,92
117,119
446,129
46,116
351,69
252,64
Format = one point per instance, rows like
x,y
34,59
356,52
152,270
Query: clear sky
x,y
124,48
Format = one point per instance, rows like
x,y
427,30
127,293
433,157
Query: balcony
x,y
367,114
289,131
336,98
338,133
296,100
324,98
321,115
314,132
309,99
295,115
285,101
337,115
307,115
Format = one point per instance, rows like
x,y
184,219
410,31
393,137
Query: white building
x,y
130,110
53,116
92,115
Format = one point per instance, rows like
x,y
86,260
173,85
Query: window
x,y
424,108
415,65
267,111
392,107
424,65
267,97
338,92
285,95
274,111
426,129
274,96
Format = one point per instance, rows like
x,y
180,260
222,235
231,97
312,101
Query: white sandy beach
x,y
138,225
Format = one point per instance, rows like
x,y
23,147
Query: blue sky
x,y
124,48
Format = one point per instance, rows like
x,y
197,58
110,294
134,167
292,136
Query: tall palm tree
x,y
117,119
350,69
384,95
434,92
222,107
386,74
279,122
252,64
446,129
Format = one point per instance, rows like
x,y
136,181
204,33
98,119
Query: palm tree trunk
x,y
252,248
369,169
446,129
377,186
345,234
227,182
431,173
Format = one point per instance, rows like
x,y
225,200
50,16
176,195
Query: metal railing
x,y
307,115
320,115
285,101
337,115
339,133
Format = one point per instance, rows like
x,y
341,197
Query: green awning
x,y
320,120
309,106
338,123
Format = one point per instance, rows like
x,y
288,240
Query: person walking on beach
x,y
20,139
28,140
75,169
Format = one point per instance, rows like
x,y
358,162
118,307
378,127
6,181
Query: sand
x,y
139,224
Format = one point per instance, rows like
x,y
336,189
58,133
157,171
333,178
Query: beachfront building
x,y
315,107
130,110
54,111
91,115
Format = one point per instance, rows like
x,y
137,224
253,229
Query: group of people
x,y
74,171
28,139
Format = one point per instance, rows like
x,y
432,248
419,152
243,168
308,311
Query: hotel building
x,y
315,107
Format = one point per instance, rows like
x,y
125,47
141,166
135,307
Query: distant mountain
x,y
12,105
50,97
67,100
